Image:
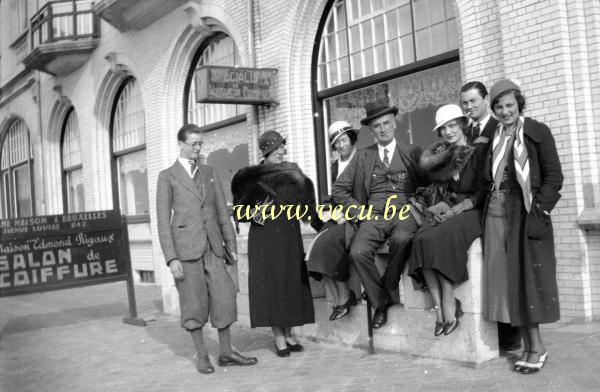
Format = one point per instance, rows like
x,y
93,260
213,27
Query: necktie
x,y
193,166
476,130
386,158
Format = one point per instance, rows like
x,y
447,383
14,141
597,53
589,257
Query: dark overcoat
x,y
279,291
530,241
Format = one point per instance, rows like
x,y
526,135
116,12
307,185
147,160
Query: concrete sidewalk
x,y
74,340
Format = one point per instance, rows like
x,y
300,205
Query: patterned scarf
x,y
500,145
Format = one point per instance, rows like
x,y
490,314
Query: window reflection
x,y
417,97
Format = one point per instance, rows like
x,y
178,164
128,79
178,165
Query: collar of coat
x,y
270,177
533,129
441,160
181,174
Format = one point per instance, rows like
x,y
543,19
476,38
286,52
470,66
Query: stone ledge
x,y
409,329
589,219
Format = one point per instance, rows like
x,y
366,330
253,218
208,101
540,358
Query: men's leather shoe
x,y
344,309
203,368
236,359
380,316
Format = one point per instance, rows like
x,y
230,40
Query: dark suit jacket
x,y
482,142
352,187
187,217
487,132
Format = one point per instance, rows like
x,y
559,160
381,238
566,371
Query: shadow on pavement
x,y
167,331
35,322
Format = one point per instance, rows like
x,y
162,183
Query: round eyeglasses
x,y
195,144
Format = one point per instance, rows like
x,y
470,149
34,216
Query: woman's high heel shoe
x,y
439,328
521,361
334,312
295,348
282,353
451,326
530,368
344,309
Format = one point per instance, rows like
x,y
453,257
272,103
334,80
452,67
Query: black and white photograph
x,y
299,195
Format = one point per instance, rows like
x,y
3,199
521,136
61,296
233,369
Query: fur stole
x,y
252,184
441,161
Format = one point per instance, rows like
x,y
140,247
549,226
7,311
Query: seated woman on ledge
x,y
327,258
452,223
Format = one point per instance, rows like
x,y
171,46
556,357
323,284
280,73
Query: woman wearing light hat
x,y
278,287
327,258
523,165
439,251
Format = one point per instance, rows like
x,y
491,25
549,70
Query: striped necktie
x,y
386,158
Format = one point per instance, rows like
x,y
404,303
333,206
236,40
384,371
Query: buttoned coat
x,y
189,217
529,237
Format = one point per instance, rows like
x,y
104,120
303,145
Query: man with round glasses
x,y
195,235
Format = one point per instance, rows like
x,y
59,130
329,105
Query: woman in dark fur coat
x,y
279,291
439,252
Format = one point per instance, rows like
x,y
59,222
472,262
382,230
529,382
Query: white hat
x,y
447,113
337,129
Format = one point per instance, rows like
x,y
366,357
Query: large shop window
x,y
225,131
401,51
16,163
73,191
129,151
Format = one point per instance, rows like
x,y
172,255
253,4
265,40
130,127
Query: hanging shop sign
x,y
235,85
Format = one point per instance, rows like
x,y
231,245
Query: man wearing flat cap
x,y
194,230
375,175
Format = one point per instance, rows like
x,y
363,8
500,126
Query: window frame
x,y
8,197
65,171
116,186
190,80
319,96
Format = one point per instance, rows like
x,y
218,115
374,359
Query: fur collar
x,y
442,160
254,182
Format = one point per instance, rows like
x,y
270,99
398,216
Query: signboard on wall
x,y
235,85
60,251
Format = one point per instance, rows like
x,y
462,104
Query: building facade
x,y
93,93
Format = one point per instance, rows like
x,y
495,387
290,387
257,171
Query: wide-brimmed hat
x,y
501,86
377,109
338,128
269,142
447,113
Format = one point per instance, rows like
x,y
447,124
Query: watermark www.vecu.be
x,y
302,211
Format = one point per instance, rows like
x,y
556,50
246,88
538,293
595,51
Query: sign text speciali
x,y
250,86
